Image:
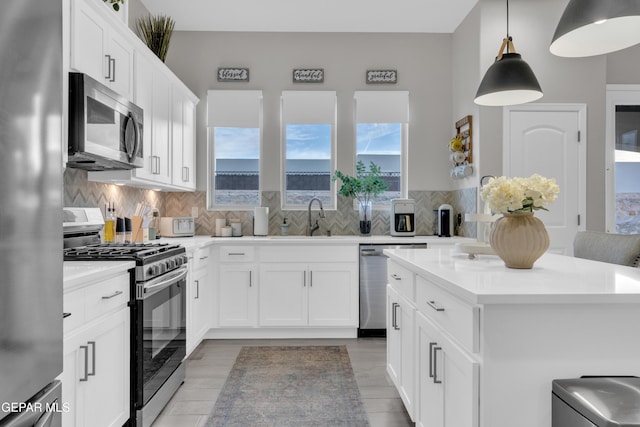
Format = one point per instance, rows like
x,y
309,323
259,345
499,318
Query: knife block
x,y
136,229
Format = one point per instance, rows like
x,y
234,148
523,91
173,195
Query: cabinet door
x,y
183,143
394,352
96,373
448,380
144,99
121,71
406,318
161,146
198,307
237,295
283,294
333,294
88,41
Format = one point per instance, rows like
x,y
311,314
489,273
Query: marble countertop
x,y
78,273
554,278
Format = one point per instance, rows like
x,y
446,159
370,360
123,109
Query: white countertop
x,y
78,273
553,279
199,241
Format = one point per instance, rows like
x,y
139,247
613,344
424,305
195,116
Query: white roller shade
x,y
382,106
309,107
234,108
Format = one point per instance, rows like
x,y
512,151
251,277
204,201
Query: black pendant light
x,y
509,80
594,27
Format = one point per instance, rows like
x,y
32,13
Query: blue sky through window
x,y
308,141
378,138
237,143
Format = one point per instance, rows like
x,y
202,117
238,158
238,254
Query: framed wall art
x,y
308,75
382,76
234,74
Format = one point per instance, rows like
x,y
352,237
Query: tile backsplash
x,y
78,191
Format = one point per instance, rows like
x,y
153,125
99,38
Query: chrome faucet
x,y
313,227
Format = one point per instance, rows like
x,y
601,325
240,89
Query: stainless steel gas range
x,y
158,322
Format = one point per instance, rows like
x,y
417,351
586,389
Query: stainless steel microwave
x,y
105,129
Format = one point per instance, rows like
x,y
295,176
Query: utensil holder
x,y
136,229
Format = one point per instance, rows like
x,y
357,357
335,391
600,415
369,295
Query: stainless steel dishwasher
x,y
373,286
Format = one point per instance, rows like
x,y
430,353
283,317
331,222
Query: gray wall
x,y
423,62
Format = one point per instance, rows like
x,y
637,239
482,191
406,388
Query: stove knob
x,y
178,261
161,268
185,259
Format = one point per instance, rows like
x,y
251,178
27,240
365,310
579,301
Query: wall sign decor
x,y
233,74
382,76
308,75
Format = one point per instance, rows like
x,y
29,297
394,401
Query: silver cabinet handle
x,y
93,359
65,315
435,365
431,345
394,316
310,278
250,277
155,165
236,253
113,75
113,295
185,173
197,282
85,377
108,76
203,258
304,279
435,306
396,277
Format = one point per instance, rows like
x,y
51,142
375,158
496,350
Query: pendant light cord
x,y
508,36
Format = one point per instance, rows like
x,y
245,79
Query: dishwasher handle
x,y
371,252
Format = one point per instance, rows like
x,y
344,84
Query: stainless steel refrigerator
x,y
30,212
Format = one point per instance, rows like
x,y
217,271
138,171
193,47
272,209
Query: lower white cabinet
x,y
237,295
400,347
447,380
96,371
199,296
315,294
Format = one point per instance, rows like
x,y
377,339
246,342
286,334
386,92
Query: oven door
x,y
160,332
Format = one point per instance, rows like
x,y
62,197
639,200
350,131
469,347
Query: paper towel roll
x,y
220,222
261,221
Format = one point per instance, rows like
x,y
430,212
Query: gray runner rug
x,y
290,386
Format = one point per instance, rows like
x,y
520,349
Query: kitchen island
x,y
486,341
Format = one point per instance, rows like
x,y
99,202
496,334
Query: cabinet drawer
x,y
237,253
201,258
460,320
106,296
401,279
310,253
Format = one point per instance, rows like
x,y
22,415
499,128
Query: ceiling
x,y
380,16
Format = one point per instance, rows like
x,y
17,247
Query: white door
x,y
551,140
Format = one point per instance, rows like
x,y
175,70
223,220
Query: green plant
x,y
115,4
364,186
156,32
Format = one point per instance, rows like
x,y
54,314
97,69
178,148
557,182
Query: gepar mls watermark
x,y
11,407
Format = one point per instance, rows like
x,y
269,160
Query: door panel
x,y
546,142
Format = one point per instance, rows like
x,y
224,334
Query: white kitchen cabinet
x,y
400,346
96,370
447,379
100,46
237,295
315,294
183,161
199,296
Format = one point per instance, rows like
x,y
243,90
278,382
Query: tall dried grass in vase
x,y
156,32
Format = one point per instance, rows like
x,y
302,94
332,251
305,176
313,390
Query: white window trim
x,y
228,121
283,155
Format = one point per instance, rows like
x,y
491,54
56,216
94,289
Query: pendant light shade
x,y
509,81
595,27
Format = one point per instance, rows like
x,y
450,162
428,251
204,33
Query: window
x,y
308,140
235,136
381,137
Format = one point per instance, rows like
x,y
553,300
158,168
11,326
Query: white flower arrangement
x,y
516,195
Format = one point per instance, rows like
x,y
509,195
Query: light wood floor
x,y
209,365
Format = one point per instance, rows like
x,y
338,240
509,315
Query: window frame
x,y
283,147
227,122
395,98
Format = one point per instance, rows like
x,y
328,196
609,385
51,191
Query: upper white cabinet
x,y
183,139
99,48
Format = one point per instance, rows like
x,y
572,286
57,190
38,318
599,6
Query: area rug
x,y
290,386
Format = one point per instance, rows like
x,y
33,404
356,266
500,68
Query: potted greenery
x,y
156,32
365,186
115,4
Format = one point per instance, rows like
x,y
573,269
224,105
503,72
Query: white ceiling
x,y
404,16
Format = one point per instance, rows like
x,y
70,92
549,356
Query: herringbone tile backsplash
x,y
78,191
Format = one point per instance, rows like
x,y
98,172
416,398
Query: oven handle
x,y
165,281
